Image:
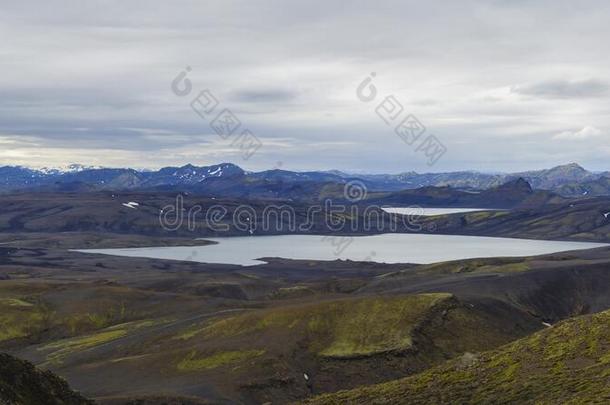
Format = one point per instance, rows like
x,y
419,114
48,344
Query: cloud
x,y
95,79
563,89
264,95
587,132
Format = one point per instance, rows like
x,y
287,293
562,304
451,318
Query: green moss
x,y
88,321
487,265
20,319
129,358
343,328
291,292
15,302
506,268
477,216
60,349
13,326
191,363
188,333
567,363
371,326
65,347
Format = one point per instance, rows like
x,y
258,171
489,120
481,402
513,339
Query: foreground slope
x,y
567,363
22,383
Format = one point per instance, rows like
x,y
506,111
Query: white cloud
x,y
95,78
563,89
587,132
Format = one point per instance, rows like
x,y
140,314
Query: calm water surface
x,y
385,248
428,212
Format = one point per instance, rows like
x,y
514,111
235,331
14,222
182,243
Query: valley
x,y
224,333
328,314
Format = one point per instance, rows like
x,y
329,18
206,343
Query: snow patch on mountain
x,y
131,204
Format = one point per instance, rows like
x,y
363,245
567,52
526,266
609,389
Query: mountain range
x,y
227,179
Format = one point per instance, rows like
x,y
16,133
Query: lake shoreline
x,y
390,248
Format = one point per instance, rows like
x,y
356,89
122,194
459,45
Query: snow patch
x,y
131,204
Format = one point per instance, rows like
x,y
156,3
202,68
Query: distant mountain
x,y
15,177
592,188
189,174
80,177
227,179
548,179
514,193
411,180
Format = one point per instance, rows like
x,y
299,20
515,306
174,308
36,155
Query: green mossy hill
x,y
483,265
40,312
341,328
57,350
568,363
23,384
20,319
192,363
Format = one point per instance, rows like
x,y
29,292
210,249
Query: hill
x,y
229,334
582,219
568,363
591,188
514,193
533,214
22,384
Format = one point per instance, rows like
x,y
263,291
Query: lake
x,y
428,212
384,248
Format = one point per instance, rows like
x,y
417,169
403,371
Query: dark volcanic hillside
x,y
539,215
110,212
515,193
591,188
229,334
585,219
23,384
567,363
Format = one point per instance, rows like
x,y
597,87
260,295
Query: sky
x,y
501,85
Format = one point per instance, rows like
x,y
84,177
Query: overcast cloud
x,y
505,85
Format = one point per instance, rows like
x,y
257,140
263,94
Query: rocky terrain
x,y
524,213
183,332
22,383
567,363
186,332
